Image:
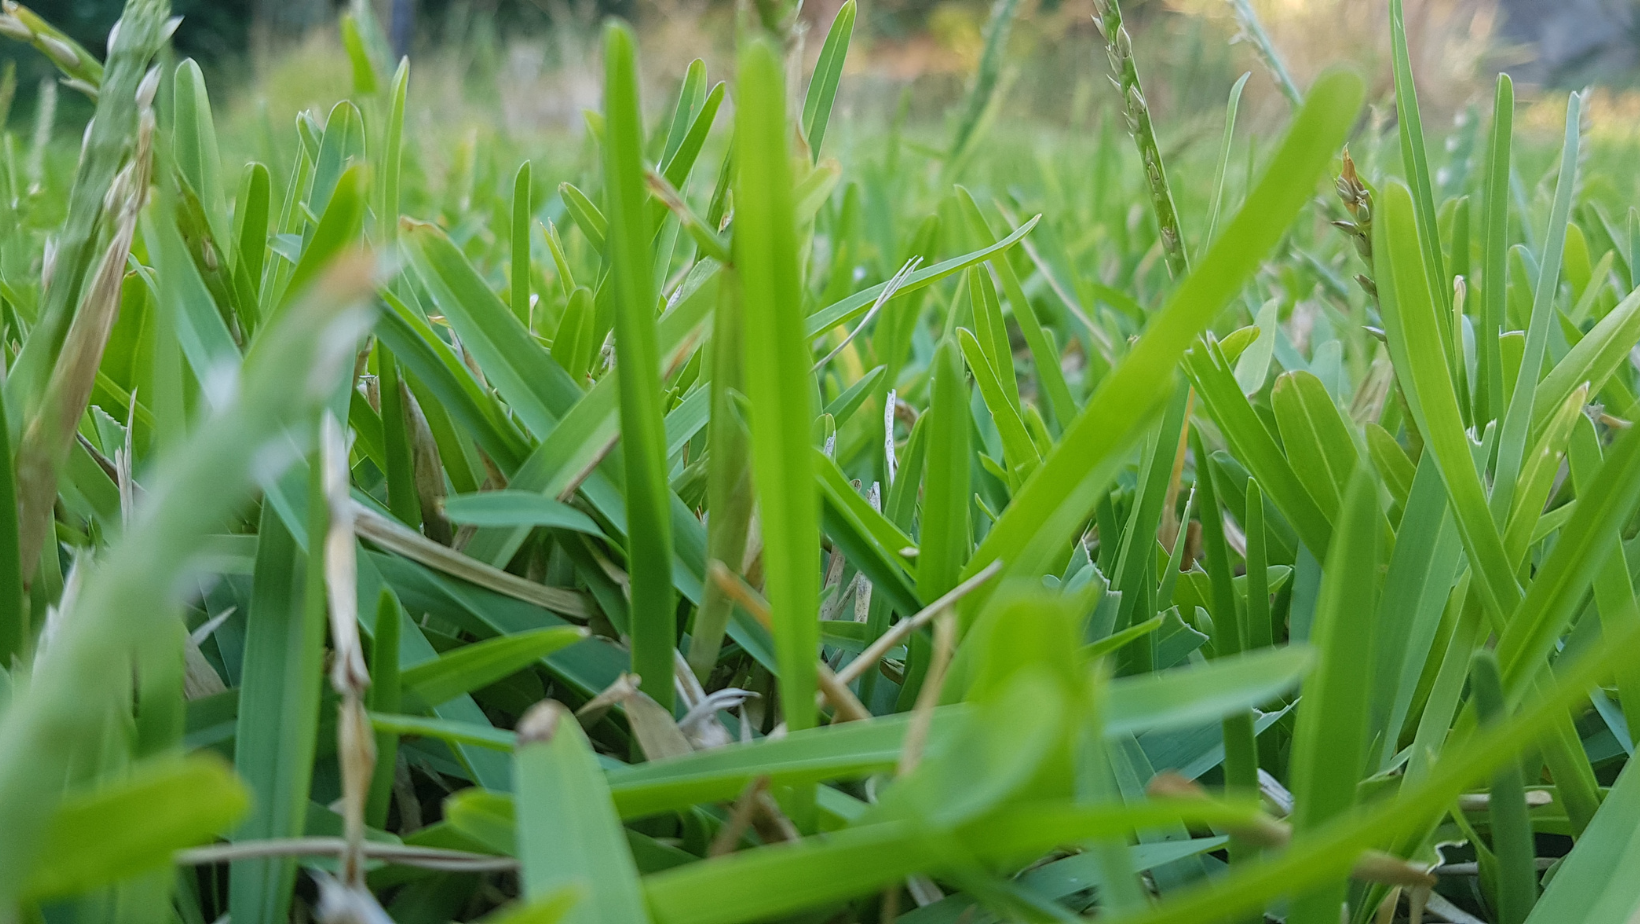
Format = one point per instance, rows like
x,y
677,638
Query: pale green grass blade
x,y
1330,739
1222,170
853,307
1411,319
1565,573
777,375
1593,884
1515,436
1192,696
569,833
1595,359
517,508
515,364
132,826
278,721
1048,372
1061,495
385,696
643,432
587,216
1415,161
828,73
729,488
1254,445
1613,587
197,156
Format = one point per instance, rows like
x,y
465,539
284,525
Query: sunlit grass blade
x,y
643,434
828,72
1222,170
777,374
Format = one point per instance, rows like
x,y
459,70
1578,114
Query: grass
x,y
755,520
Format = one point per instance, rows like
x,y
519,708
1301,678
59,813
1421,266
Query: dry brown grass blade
x,y
49,435
902,629
394,536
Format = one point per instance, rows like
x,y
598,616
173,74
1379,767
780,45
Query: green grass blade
x,y
1222,170
828,73
1329,742
1058,499
480,664
1410,320
1511,827
643,433
132,826
130,594
777,374
1591,885
385,696
569,833
14,615
1489,395
1415,159
944,538
1517,419
518,292
984,85
278,720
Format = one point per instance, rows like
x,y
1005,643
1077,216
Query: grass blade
x,y
828,72
643,432
777,375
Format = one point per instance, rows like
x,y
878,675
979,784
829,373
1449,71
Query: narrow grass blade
x,y
643,433
1416,160
1222,170
1489,394
1329,742
1411,319
518,292
777,375
828,72
1511,826
482,663
1591,885
132,826
1515,436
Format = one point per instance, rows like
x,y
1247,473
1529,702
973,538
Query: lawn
x,y
735,515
